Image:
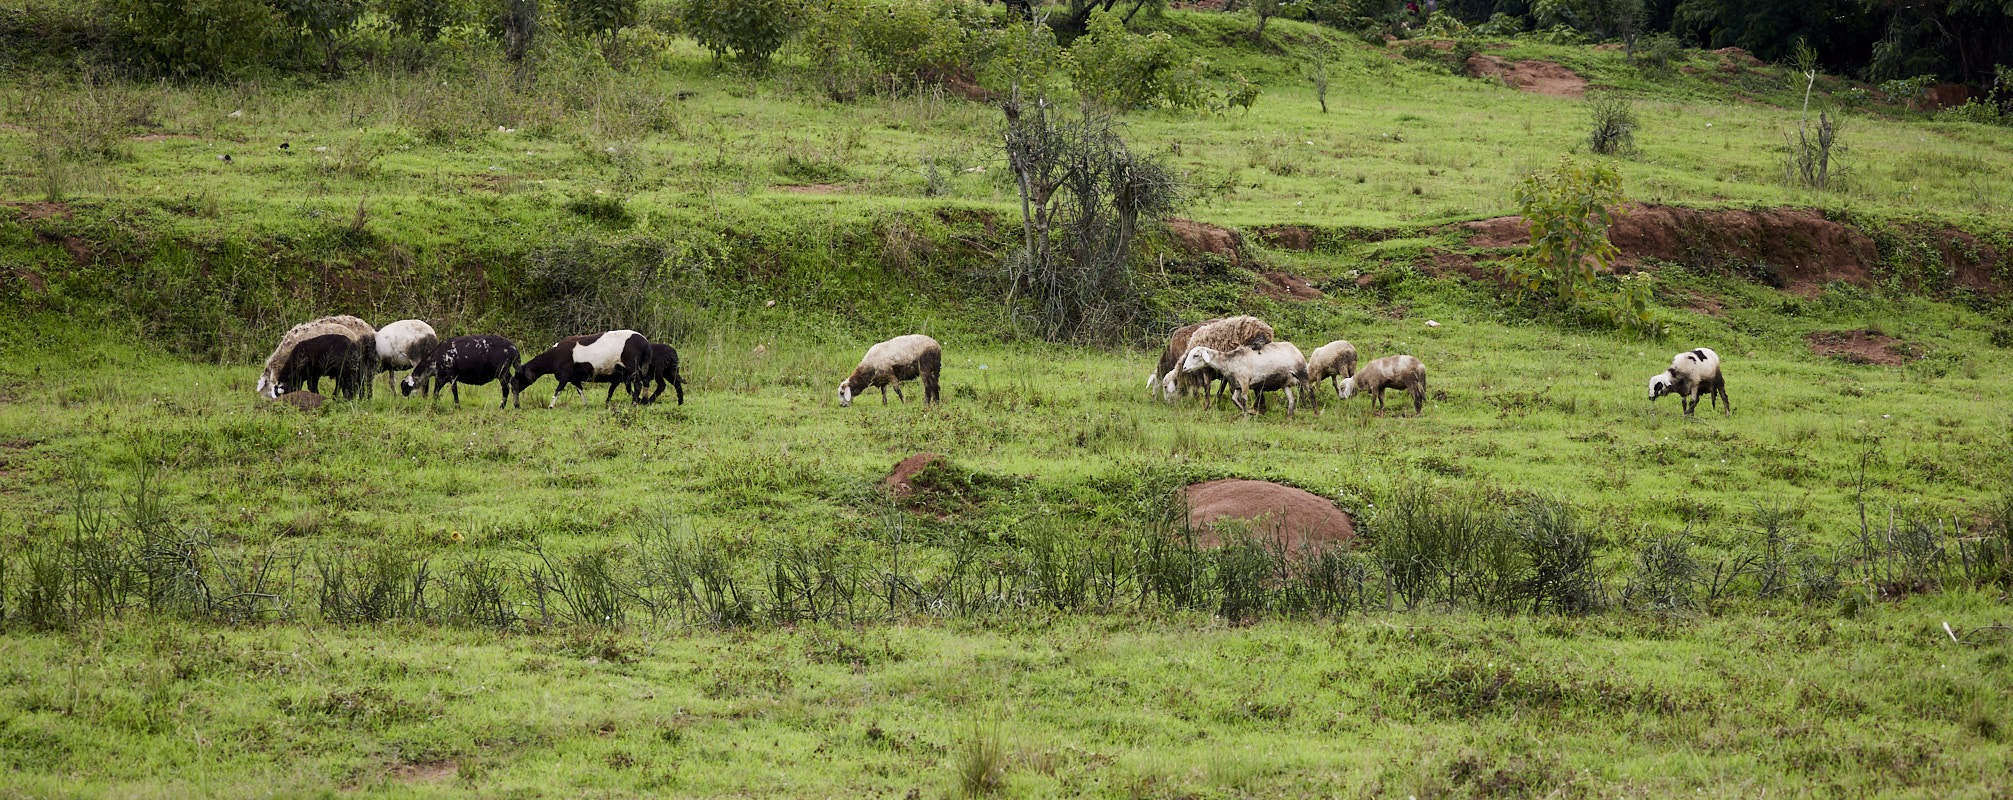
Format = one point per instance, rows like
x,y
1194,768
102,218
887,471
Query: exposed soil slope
x,y
1294,517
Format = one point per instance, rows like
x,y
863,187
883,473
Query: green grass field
x,y
204,593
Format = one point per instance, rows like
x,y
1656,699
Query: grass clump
x,y
1614,125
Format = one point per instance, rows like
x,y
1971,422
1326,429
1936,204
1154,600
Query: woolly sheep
x,y
1259,368
1332,362
893,361
1692,373
401,344
614,357
1170,358
474,360
1223,336
356,330
1389,372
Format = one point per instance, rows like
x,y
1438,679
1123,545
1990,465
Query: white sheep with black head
x,y
889,363
1692,374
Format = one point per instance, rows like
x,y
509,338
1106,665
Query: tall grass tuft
x,y
981,765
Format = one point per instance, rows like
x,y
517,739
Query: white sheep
x,y
1278,365
357,331
1692,373
893,361
401,344
1332,362
1389,372
1221,335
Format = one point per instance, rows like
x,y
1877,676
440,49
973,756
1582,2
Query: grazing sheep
x,y
474,360
1223,336
1170,358
1692,373
330,355
356,330
663,370
893,361
618,358
1258,368
1332,362
401,344
1389,372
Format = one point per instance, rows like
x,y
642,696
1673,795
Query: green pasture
x,y
204,593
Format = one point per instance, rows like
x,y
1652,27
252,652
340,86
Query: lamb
x,y
1223,336
474,360
613,357
663,370
401,344
1257,368
1692,373
1332,362
1389,372
330,355
356,330
893,361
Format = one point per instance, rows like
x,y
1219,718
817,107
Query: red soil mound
x,y
1281,286
1538,77
1201,238
900,482
1293,516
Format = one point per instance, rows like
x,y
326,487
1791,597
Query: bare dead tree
x,y
1082,196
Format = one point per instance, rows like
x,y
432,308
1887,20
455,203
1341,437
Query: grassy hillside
x,y
1561,589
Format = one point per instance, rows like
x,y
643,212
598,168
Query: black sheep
x,y
474,360
664,370
334,356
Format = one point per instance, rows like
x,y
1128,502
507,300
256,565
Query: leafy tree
x,y
1568,211
326,23
602,20
199,38
749,30
1118,69
423,19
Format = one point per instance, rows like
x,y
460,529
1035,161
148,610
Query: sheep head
x,y
1199,357
406,385
1661,385
1348,389
845,394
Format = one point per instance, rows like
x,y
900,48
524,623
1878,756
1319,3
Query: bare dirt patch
x,y
901,481
31,212
1792,248
1290,237
1201,238
424,773
1281,286
1293,517
812,188
1859,347
1536,77
303,400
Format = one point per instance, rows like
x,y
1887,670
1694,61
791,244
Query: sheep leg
x,y
898,393
884,394
454,388
1288,391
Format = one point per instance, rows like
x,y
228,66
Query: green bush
x,y
849,43
1568,210
598,19
1115,68
1658,56
1614,120
198,38
1974,111
748,30
424,19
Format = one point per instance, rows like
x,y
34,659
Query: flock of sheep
x,y
1238,353
350,352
